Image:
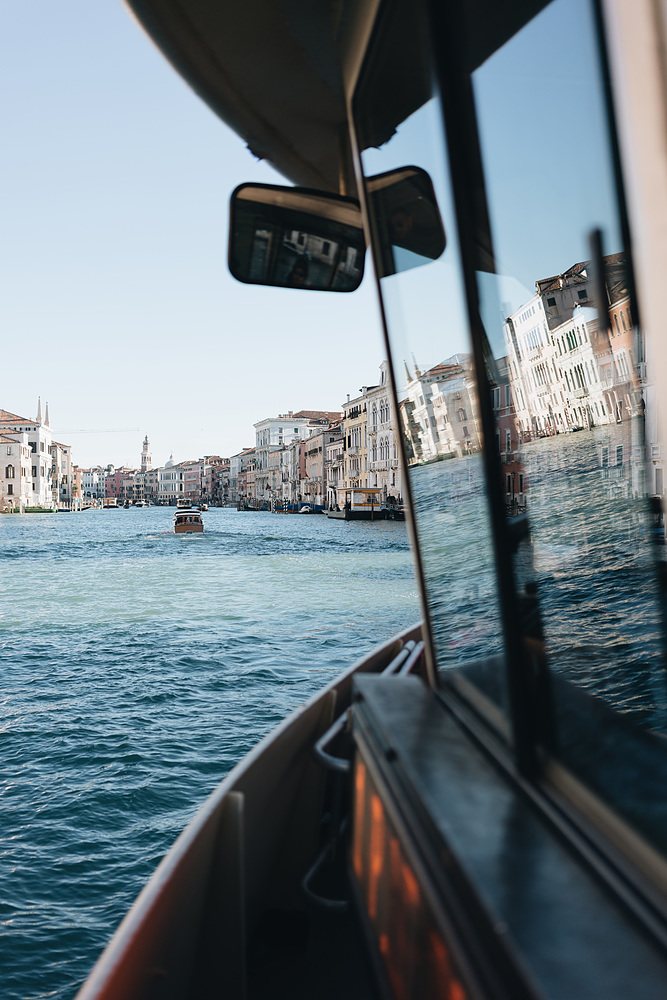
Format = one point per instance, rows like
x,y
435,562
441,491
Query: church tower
x,y
146,459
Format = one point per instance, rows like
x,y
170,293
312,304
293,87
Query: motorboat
x,y
188,521
477,808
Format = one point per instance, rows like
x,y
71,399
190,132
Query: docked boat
x,y
364,504
188,521
478,808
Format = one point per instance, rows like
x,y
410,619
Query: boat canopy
x,y
277,71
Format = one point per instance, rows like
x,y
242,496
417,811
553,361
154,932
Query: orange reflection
x,y
416,958
359,810
376,853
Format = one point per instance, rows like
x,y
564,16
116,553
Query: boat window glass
x,y
416,252
575,413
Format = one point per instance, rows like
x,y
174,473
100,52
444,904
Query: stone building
x,y
30,479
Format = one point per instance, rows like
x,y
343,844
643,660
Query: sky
x,y
116,304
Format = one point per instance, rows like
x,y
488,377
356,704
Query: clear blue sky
x,y
116,304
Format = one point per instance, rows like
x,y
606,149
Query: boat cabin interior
x,y
478,808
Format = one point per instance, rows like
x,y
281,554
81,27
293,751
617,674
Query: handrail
x,y
341,764
404,661
412,660
326,854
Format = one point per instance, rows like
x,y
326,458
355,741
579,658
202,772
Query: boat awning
x,y
273,71
270,69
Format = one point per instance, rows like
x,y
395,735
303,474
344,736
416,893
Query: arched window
x,y
9,472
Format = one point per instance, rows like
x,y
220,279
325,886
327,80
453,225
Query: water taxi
x,y
478,808
188,521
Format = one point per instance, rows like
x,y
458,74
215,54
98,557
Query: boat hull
x,y
246,849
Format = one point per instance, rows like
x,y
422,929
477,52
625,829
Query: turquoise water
x,y
137,667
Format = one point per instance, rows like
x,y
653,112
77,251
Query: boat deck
x,y
304,955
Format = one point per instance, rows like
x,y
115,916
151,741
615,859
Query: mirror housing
x,y
405,216
295,238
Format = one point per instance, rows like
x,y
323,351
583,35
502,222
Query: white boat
x,y
476,809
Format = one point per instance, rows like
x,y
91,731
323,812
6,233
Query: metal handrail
x,y
403,663
342,764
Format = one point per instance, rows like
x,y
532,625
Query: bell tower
x,y
146,458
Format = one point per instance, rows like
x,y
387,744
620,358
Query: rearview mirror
x,y
294,238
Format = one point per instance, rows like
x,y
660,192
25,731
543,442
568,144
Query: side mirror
x,y
294,238
405,217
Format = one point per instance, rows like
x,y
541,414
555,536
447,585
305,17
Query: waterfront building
x,y
192,480
61,474
355,431
139,486
274,433
171,484
246,474
294,471
120,483
77,488
383,465
334,464
92,483
15,484
219,487
314,487
237,468
151,484
30,479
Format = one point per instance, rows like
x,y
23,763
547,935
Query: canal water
x,y
137,667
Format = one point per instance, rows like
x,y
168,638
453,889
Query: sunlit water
x,y
137,668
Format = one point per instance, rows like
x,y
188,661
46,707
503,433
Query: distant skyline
x,y
116,304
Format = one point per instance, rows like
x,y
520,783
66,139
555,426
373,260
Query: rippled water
x,y
137,667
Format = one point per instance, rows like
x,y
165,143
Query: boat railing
x,y
404,663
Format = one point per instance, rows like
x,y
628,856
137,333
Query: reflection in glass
x,y
577,426
424,302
